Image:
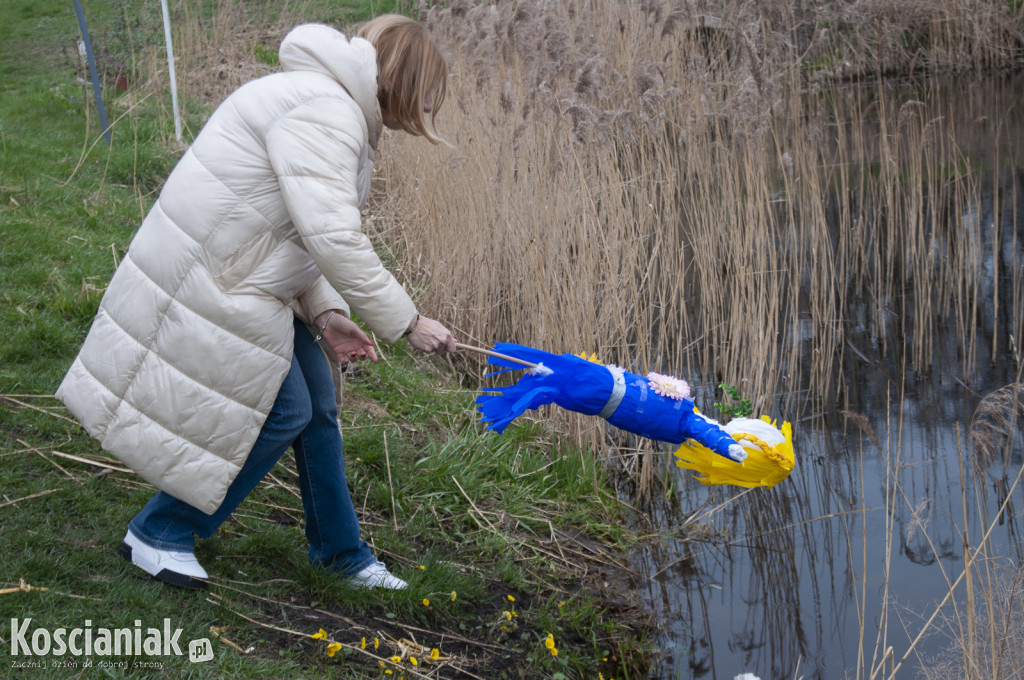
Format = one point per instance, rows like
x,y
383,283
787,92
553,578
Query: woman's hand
x,y
345,338
429,335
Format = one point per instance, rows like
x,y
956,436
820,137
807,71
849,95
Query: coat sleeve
x,y
319,298
315,151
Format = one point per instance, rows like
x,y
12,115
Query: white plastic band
x,y
618,392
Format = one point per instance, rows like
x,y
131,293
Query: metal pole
x,y
91,59
170,68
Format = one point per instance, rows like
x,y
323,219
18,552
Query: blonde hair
x,y
410,68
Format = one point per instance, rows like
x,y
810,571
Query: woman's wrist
x,y
323,325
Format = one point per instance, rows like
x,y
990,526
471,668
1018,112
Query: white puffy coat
x,y
258,223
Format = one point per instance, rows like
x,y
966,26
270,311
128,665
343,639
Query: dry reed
x,y
641,181
651,181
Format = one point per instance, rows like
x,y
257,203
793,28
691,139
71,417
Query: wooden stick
x,y
25,498
89,461
391,487
488,352
10,398
21,588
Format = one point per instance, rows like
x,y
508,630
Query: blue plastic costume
x,y
625,399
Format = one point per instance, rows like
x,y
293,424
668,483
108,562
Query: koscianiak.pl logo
x,y
88,645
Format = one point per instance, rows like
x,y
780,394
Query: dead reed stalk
x,y
645,183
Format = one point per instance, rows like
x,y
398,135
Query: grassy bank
x,y
505,540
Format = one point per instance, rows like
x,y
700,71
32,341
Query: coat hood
x,y
352,62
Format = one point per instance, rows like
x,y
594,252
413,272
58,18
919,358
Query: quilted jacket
x,y
259,222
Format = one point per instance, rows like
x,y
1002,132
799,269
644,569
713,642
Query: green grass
x,y
478,515
449,506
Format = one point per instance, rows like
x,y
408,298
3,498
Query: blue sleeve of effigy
x,y
645,412
500,408
569,381
709,433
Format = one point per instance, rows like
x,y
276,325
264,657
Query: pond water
x,y
853,553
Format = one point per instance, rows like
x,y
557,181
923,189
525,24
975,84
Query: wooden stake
x,y
481,350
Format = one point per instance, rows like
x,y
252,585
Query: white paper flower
x,y
667,386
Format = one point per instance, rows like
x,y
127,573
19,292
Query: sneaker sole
x,y
165,575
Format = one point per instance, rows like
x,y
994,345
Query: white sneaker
x,y
377,576
174,567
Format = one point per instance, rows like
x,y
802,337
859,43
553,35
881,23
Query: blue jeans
x,y
305,417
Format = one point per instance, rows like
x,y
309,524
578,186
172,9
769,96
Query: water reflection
x,y
783,579
817,577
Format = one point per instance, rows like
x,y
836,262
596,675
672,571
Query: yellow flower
x,y
554,651
396,659
376,643
319,635
435,653
510,598
413,661
549,641
387,671
769,450
507,614
426,602
333,648
454,595
421,567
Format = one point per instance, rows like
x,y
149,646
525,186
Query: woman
x,y
202,365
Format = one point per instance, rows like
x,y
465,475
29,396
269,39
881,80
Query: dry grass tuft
x,y
998,425
996,648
